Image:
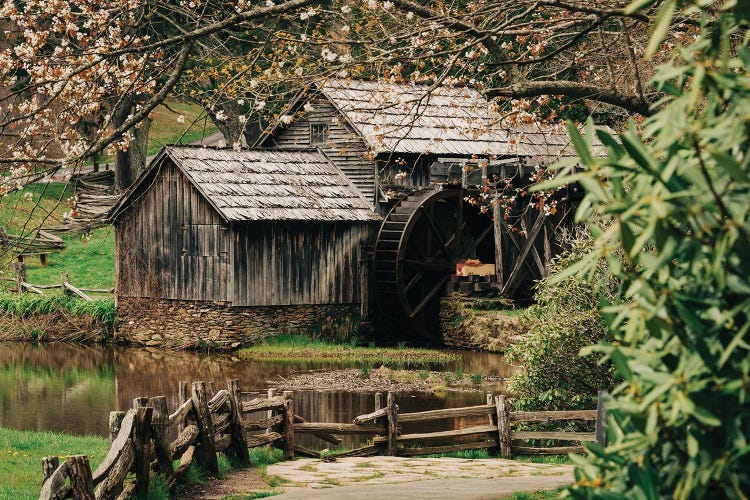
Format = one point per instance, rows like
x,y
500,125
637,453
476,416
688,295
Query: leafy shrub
x,y
679,194
564,319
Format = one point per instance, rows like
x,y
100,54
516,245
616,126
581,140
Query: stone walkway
x,y
430,478
390,477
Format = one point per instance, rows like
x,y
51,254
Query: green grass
x,y
295,348
544,459
26,304
21,453
45,207
469,454
165,129
536,495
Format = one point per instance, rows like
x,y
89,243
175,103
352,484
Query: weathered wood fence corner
x,y
207,422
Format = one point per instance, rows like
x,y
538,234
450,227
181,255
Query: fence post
x,y
378,400
239,443
392,415
115,421
81,480
159,427
503,426
491,402
288,425
142,445
269,414
207,448
182,396
600,430
49,465
20,275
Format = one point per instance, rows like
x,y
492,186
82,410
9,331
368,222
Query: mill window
x,y
318,133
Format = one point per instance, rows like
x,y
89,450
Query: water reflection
x,y
72,388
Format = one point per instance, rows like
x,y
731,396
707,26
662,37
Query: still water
x,y
72,388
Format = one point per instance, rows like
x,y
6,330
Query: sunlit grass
x,y
295,347
21,453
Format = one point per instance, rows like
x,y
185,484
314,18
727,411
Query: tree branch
x,y
630,103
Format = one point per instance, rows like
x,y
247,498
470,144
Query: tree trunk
x,y
131,162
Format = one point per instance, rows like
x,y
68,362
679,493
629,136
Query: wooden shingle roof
x,y
442,120
262,185
417,119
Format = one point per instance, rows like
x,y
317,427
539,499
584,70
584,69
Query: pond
x,y
72,388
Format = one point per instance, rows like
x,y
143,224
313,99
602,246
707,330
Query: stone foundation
x,y
186,324
478,323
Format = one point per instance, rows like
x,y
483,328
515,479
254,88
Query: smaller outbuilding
x,y
224,247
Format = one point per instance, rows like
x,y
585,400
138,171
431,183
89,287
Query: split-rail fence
x,y
207,422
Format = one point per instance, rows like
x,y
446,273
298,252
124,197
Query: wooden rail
x,y
207,422
21,285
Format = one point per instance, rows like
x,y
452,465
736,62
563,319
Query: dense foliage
x,y
563,320
679,194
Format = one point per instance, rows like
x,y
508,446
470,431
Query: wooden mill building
x,y
204,233
355,197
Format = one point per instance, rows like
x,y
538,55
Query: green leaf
x,y
661,26
581,148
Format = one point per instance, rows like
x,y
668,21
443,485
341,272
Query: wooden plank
x,y
551,450
219,399
275,403
239,444
142,445
262,439
184,440
267,423
434,450
364,451
81,482
111,485
469,411
114,423
392,410
178,417
288,414
503,426
491,430
337,428
54,487
159,430
551,416
206,450
370,417
600,432
222,442
116,448
560,436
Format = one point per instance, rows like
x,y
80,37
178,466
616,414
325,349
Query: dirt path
x,y
399,477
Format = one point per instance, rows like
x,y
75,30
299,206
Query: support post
x,y
142,445
49,465
269,415
491,401
115,421
20,275
288,425
81,480
392,416
183,395
206,448
239,443
378,400
503,426
159,428
600,430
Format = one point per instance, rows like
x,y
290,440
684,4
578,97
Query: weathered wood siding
x,y
345,148
294,262
172,244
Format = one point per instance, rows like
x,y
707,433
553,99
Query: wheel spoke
x,y
430,295
436,231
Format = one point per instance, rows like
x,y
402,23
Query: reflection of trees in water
x,y
73,388
55,387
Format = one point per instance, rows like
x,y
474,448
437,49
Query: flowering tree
x,y
78,78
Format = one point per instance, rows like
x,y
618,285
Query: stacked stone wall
x,y
186,324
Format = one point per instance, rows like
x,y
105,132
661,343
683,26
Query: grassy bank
x,y
296,348
21,453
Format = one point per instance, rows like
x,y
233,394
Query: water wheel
x,y
419,244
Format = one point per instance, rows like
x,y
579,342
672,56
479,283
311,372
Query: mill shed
x,y
223,246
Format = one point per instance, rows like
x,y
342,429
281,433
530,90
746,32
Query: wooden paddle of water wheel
x,y
419,244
